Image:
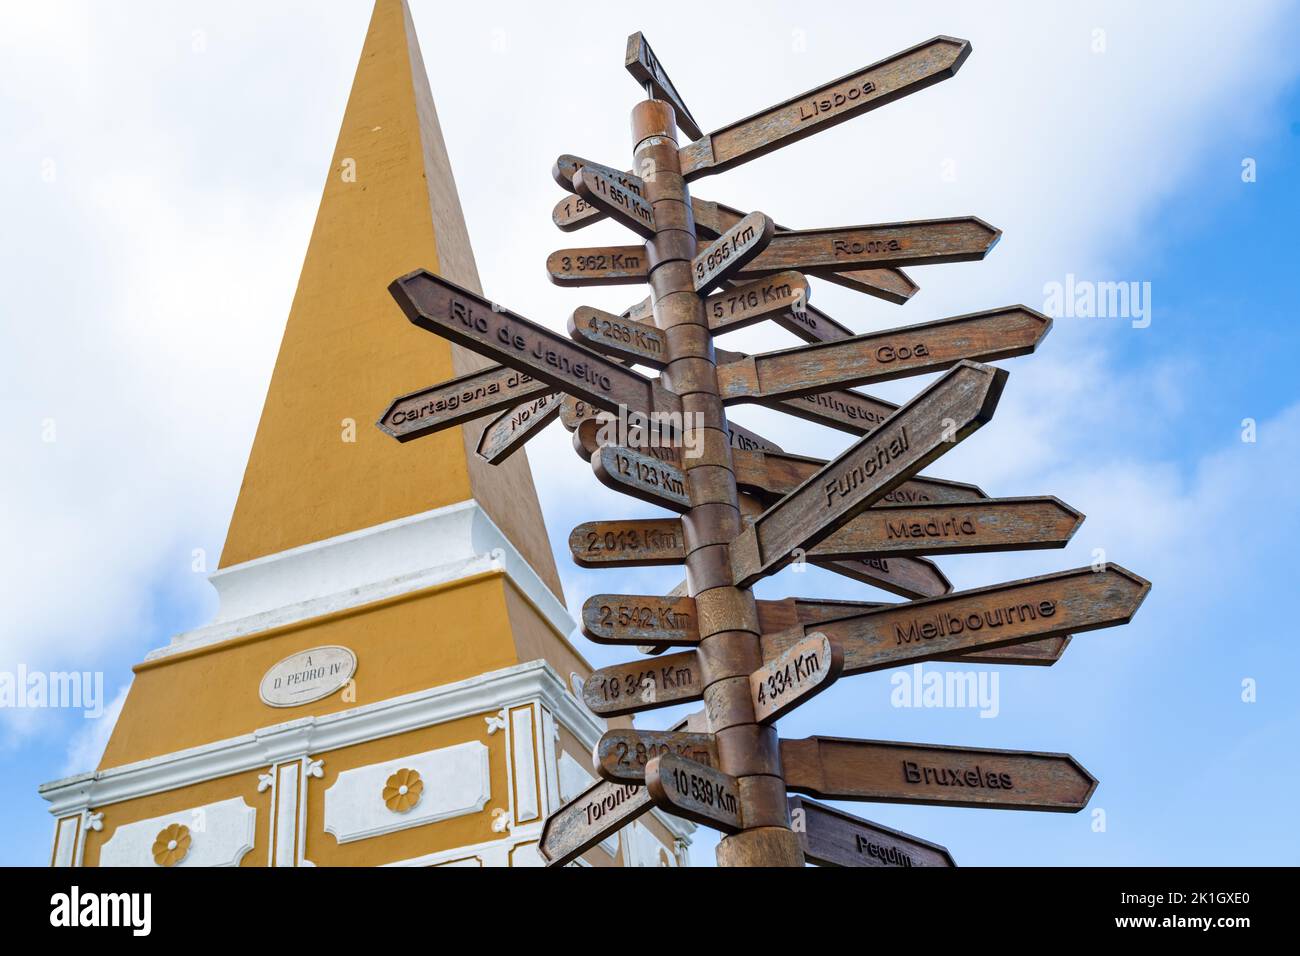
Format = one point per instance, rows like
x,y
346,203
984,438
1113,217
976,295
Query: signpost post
x,y
742,509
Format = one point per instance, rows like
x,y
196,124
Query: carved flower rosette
x,y
402,791
172,844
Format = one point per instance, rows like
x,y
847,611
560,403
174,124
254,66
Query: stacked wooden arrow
x,y
869,514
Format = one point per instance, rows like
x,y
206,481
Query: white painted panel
x,y
455,782
527,806
221,833
286,813
65,841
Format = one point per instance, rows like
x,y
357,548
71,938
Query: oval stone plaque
x,y
308,675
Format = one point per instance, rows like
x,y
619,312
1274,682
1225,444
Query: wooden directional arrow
x,y
458,401
842,99
999,524
641,543
942,415
624,339
776,474
446,309
695,792
739,306
642,476
512,429
621,755
892,285
640,619
645,685
796,675
916,243
742,305
880,356
654,474
841,409
598,812
644,619
831,837
604,192
711,220
599,265
891,531
584,421
634,341
645,67
731,251
1031,609
796,612
906,577
884,771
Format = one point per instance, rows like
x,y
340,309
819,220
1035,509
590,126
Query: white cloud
x,y
86,748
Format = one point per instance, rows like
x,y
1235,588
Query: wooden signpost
x,y
800,672
740,508
885,771
695,792
831,837
945,413
1032,609
622,755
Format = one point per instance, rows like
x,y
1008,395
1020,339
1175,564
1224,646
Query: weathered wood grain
x,y
645,685
458,401
998,524
886,771
881,356
599,265
444,308
622,755
646,69
695,792
825,106
966,622
723,258
795,676
890,244
624,339
598,812
645,542
831,837
932,423
514,427
892,285
604,192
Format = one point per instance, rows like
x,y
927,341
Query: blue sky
x,y
178,169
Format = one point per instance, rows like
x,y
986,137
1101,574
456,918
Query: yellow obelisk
x,y
388,679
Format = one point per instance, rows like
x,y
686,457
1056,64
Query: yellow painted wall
x,y
180,802
348,350
406,644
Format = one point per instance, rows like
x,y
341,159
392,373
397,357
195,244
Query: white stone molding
x,y
67,835
526,797
285,798
222,833
456,782
531,682
362,567
292,739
